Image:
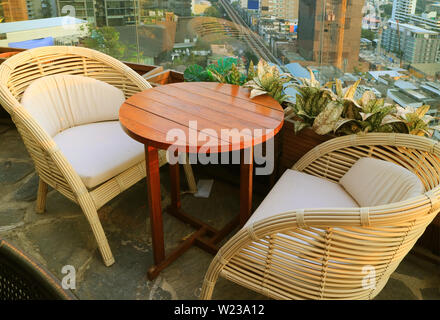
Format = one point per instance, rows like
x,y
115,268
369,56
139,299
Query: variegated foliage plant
x,y
332,109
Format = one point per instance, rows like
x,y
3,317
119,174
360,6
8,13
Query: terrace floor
x,y
61,236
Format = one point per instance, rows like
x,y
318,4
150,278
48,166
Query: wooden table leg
x,y
246,168
154,201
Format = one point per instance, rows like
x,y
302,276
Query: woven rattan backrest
x,y
340,253
19,71
22,278
417,154
36,63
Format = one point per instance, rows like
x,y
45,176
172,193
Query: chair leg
x,y
210,281
104,248
190,176
41,196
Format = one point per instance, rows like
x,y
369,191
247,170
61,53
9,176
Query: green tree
x,y
387,9
106,40
368,34
212,12
421,6
46,9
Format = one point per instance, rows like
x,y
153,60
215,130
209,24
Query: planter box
x,y
294,146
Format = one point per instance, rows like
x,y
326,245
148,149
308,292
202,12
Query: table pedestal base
x,y
205,237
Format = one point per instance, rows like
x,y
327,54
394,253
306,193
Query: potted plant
x,y
320,113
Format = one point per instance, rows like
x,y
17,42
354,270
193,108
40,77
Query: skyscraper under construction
x,y
329,32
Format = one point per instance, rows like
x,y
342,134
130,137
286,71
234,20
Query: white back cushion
x,y
373,182
63,101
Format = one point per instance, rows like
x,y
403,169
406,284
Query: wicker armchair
x,y
335,253
53,168
21,278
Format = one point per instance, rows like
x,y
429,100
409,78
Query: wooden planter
x,y
294,146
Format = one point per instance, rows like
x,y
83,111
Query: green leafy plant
x,y
417,121
223,71
311,100
369,114
267,80
333,109
196,73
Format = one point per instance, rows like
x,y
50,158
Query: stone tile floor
x,y
61,236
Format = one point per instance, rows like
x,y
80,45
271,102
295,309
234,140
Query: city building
x,y
402,9
361,89
330,33
425,70
403,99
385,76
280,9
366,44
64,31
14,10
82,9
199,6
182,8
414,44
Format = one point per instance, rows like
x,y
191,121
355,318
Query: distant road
x,y
252,39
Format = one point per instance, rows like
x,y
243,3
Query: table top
x,y
193,115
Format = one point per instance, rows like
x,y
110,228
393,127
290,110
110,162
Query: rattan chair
x,y
346,253
21,278
53,168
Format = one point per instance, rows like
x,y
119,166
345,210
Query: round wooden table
x,y
150,116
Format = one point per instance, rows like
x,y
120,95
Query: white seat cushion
x,y
99,151
373,182
63,101
298,190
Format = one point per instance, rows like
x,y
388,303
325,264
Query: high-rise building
x,y
82,9
182,8
402,9
329,32
280,9
14,10
417,45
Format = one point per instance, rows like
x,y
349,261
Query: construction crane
x,y
399,52
341,30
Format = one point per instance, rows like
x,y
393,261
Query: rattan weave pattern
x,y
339,247
21,278
53,168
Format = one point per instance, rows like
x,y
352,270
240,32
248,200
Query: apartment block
x,y
280,9
418,45
402,9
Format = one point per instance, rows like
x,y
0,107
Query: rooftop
x,y
381,73
297,70
412,28
429,69
125,219
406,85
